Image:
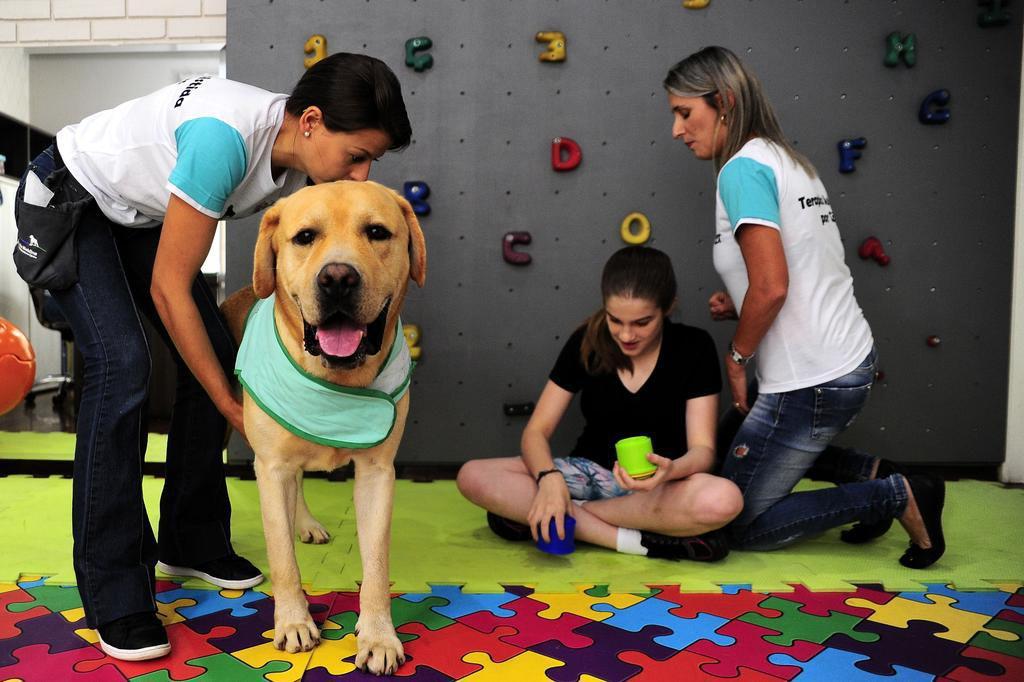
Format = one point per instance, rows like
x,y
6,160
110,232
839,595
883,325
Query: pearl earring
x,y
305,134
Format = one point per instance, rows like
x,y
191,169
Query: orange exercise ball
x,y
17,366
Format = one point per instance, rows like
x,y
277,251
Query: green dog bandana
x,y
309,407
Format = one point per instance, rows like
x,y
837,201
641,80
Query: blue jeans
x,y
784,436
115,551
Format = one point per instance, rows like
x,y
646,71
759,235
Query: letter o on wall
x,y
639,236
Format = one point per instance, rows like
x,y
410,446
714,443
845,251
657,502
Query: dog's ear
x,y
417,244
264,266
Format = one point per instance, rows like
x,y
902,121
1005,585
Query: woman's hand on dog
x,y
232,411
552,501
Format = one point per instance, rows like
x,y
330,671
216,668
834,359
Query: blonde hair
x,y
717,75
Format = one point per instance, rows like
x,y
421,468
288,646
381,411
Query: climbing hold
x,y
412,338
419,62
849,150
872,248
995,15
901,48
556,46
933,341
934,109
572,154
508,250
316,46
696,4
518,409
416,192
641,235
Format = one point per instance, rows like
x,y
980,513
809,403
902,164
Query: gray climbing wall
x,y
939,197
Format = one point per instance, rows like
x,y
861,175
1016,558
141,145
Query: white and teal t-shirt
x,y
820,333
309,407
207,140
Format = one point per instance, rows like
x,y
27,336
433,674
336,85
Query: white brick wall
x,y
86,9
25,9
34,23
164,8
53,31
198,27
129,29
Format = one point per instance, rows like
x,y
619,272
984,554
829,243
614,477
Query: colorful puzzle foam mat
x,y
439,538
520,635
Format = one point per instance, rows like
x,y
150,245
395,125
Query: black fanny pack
x,y
46,255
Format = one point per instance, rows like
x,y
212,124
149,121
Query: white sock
x,y
628,542
579,503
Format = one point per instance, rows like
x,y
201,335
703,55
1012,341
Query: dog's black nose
x,y
337,280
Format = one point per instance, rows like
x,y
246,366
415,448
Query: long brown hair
x,y
715,73
631,272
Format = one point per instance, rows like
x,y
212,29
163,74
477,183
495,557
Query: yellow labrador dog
x,y
332,266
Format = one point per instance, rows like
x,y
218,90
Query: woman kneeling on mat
x,y
637,373
778,249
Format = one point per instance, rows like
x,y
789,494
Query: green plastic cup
x,y
632,454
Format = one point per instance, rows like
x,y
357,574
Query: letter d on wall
x,y
565,154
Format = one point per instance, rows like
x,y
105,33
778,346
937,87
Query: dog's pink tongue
x,y
340,339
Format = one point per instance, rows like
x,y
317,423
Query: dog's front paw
x,y
294,630
379,650
312,531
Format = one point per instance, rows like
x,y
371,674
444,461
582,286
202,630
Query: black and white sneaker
x,y
508,529
138,637
711,546
230,572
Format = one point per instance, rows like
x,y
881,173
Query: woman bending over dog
x,y
144,184
637,373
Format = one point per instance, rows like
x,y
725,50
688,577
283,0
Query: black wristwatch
x,y
738,357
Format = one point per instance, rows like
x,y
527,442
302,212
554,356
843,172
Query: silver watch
x,y
738,357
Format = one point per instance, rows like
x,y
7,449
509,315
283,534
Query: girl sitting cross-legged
x,y
637,373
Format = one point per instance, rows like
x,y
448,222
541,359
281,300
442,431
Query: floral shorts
x,y
588,480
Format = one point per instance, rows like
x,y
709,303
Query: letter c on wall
x,y
508,251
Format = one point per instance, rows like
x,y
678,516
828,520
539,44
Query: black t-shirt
x,y
687,367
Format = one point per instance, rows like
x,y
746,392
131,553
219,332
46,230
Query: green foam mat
x,y
439,538
61,446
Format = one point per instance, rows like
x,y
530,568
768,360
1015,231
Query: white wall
x,y
14,75
1012,470
68,86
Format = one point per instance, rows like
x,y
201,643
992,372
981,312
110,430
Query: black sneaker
x,y
138,637
708,547
230,572
507,528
